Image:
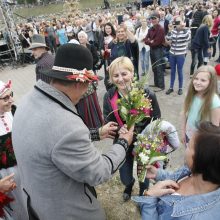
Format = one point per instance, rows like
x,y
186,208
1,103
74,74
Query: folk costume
x,y
8,164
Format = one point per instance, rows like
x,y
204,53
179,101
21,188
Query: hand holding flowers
x,y
134,107
149,148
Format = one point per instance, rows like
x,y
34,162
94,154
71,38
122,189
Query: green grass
x,y
58,8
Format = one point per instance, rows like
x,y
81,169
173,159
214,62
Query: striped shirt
x,y
179,41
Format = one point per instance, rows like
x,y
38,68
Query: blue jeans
x,y
176,61
144,57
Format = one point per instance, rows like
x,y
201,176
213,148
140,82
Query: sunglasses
x,y
153,18
7,97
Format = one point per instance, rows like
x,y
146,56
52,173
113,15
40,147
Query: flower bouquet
x,y
150,148
134,107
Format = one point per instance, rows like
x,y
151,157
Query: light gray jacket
x,y
56,157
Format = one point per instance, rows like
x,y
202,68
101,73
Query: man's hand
x,y
126,134
108,131
163,188
7,183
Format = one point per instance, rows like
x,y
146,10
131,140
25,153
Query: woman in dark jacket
x,y
126,45
106,38
121,73
200,44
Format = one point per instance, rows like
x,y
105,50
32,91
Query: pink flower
x,y
134,111
146,111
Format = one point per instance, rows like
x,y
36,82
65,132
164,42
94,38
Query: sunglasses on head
x,y
7,97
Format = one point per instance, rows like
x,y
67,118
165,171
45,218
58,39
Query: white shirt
x,y
140,35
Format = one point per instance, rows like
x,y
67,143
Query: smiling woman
x,y
121,72
8,164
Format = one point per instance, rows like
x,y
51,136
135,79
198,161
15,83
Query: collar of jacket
x,y
188,205
55,95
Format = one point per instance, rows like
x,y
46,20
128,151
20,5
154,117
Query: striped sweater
x,y
179,41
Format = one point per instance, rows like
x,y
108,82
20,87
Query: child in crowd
x,y
202,102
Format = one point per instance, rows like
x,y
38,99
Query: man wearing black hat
x,y
58,163
43,59
155,39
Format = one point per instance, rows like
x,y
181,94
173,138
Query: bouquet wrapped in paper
x,y
150,148
135,106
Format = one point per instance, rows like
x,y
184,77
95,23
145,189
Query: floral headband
x,y
4,87
78,75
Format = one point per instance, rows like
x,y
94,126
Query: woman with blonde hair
x,y
200,47
202,102
121,74
126,45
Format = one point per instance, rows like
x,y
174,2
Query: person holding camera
x,y
178,39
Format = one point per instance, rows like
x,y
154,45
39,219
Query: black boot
x,y
128,190
143,186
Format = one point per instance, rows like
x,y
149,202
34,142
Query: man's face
x,y
154,20
37,52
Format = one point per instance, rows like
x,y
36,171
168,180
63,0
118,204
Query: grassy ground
x,y
58,8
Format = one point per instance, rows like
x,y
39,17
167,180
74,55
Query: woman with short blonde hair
x,y
121,73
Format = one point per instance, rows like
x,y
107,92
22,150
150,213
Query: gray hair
x,y
83,33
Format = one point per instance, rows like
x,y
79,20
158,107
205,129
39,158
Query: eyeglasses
x,y
7,97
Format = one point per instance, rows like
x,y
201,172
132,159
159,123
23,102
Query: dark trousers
x,y
197,57
126,173
213,41
156,56
52,44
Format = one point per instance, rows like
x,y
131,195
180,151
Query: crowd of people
x,y
49,165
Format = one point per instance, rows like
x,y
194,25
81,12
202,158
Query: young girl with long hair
x,y
202,102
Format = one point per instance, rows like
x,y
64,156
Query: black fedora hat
x,y
72,63
38,41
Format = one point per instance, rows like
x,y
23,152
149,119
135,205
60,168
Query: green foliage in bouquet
x,y
149,148
135,106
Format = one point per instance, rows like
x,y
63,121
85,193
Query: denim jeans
x,y
197,55
156,55
126,172
144,57
176,61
